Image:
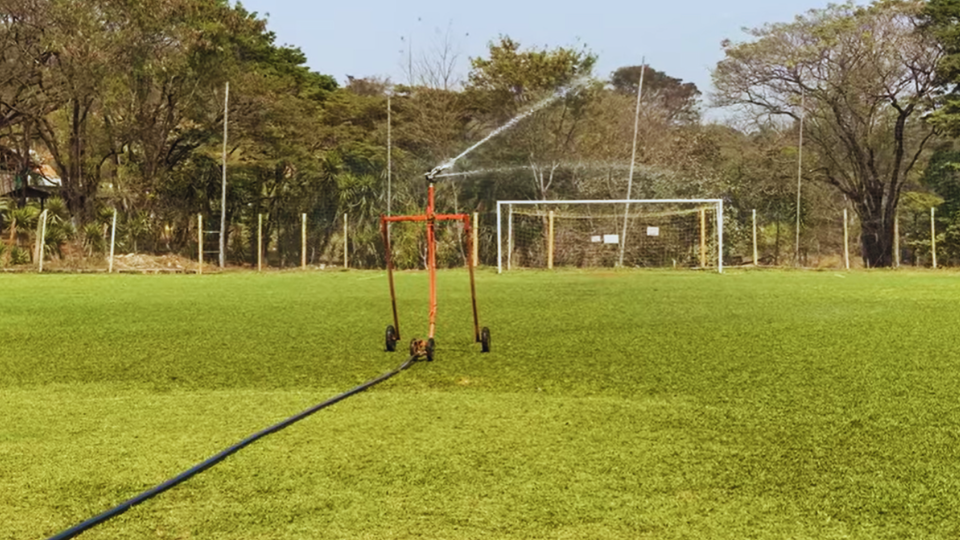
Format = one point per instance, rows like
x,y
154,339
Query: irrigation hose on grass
x,y
210,462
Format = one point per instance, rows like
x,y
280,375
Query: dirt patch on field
x,y
138,262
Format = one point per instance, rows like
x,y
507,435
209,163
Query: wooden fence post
x,y
550,242
200,242
303,242
933,236
846,241
113,239
703,238
346,244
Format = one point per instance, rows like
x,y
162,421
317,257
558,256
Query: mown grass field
x,y
661,405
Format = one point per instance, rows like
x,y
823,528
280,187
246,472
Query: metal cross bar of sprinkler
x,y
425,348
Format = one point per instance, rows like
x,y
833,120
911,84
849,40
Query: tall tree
x,y
864,76
512,79
677,100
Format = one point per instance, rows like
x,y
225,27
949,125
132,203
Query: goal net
x,y
635,233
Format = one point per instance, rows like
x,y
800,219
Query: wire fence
x,y
130,242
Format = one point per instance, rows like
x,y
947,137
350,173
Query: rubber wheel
x,y
485,339
391,339
431,345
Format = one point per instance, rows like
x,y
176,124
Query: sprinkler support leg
x,y
393,293
432,259
473,287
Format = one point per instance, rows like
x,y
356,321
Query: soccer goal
x,y
668,233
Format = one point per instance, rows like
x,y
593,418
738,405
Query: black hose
x,y
200,467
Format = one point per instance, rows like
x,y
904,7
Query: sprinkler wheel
x,y
485,340
431,345
391,338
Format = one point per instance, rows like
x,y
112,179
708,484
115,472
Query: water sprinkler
x,y
425,348
437,170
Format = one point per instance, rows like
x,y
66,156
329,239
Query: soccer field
x,y
614,405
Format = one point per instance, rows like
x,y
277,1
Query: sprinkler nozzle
x,y
437,170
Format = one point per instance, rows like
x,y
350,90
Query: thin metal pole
x,y
755,252
346,244
113,239
259,242
389,158
803,98
223,191
633,160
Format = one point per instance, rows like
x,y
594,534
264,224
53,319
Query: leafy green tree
x,y
864,76
512,79
676,100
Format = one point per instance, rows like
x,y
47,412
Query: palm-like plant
x,y
22,221
94,242
19,256
59,228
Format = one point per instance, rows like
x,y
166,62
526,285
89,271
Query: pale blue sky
x,y
363,38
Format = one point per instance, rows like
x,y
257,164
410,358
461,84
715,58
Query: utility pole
x,y
800,171
633,160
389,153
223,191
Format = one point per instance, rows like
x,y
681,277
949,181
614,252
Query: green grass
x,y
614,405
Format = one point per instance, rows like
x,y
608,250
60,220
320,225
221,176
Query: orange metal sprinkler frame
x,y
425,348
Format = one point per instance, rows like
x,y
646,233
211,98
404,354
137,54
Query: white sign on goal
x,y
663,233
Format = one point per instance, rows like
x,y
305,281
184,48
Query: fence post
x,y
755,253
499,240
303,241
346,245
113,239
933,236
41,237
896,238
703,238
846,241
509,237
476,238
550,242
720,236
259,242
200,243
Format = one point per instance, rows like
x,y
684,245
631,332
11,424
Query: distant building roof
x,y
11,185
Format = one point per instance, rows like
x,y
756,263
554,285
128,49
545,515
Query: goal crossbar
x,y
714,203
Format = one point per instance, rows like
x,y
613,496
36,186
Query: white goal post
x,y
656,233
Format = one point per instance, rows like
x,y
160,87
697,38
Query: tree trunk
x,y
876,238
